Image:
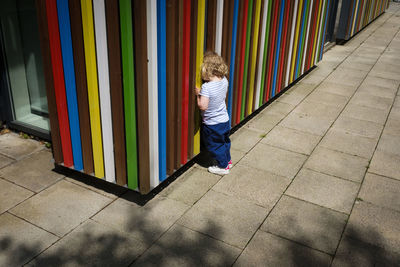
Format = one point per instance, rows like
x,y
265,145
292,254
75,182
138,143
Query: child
x,y
211,101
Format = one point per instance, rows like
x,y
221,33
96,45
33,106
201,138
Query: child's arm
x,y
202,101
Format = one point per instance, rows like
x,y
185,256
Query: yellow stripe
x,y
299,13
199,61
93,91
254,56
317,32
354,19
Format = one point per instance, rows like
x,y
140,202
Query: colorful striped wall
x,y
122,74
356,14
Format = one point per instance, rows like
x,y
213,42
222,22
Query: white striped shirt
x,y
216,92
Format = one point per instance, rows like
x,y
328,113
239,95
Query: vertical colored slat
x,y
242,59
125,10
117,101
81,84
278,42
254,56
152,53
233,61
296,41
304,53
93,93
59,85
283,52
291,45
141,90
199,61
350,21
312,37
172,28
162,91
315,54
185,79
48,77
302,37
261,59
220,17
354,18
104,88
321,48
288,48
178,88
211,24
317,30
69,78
360,22
246,59
272,52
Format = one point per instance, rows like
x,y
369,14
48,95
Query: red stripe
x,y
59,85
243,51
272,50
283,47
185,81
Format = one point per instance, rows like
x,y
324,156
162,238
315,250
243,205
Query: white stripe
x,y
151,13
308,32
291,42
104,88
260,59
220,16
319,33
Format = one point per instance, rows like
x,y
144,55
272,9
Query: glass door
x,y
23,64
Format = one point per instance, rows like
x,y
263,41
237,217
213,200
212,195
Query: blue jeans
x,y
216,140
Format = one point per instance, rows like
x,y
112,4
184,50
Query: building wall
x,y
121,74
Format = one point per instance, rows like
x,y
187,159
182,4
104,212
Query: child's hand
x,y
196,91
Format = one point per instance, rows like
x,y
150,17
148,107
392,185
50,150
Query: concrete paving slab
x,y
381,82
275,160
396,102
394,114
358,127
270,250
61,207
292,140
34,172
337,164
310,124
365,113
245,139
352,252
92,244
181,246
350,77
280,108
349,143
357,62
389,144
21,241
264,122
236,156
4,161
392,127
291,98
235,224
318,109
381,191
326,98
334,88
364,99
375,225
15,147
306,223
11,195
385,164
312,78
324,190
259,187
145,223
384,73
191,186
302,88
376,90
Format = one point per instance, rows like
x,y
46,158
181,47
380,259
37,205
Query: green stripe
x,y
265,52
246,59
129,91
320,45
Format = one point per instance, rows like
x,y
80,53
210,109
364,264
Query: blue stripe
x,y
69,76
162,90
352,16
233,52
301,39
324,33
278,43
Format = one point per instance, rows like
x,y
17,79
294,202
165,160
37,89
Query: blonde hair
x,y
213,65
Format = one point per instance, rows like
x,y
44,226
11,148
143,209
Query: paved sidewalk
x,y
316,182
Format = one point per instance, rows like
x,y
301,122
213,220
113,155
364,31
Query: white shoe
x,y
218,170
230,164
